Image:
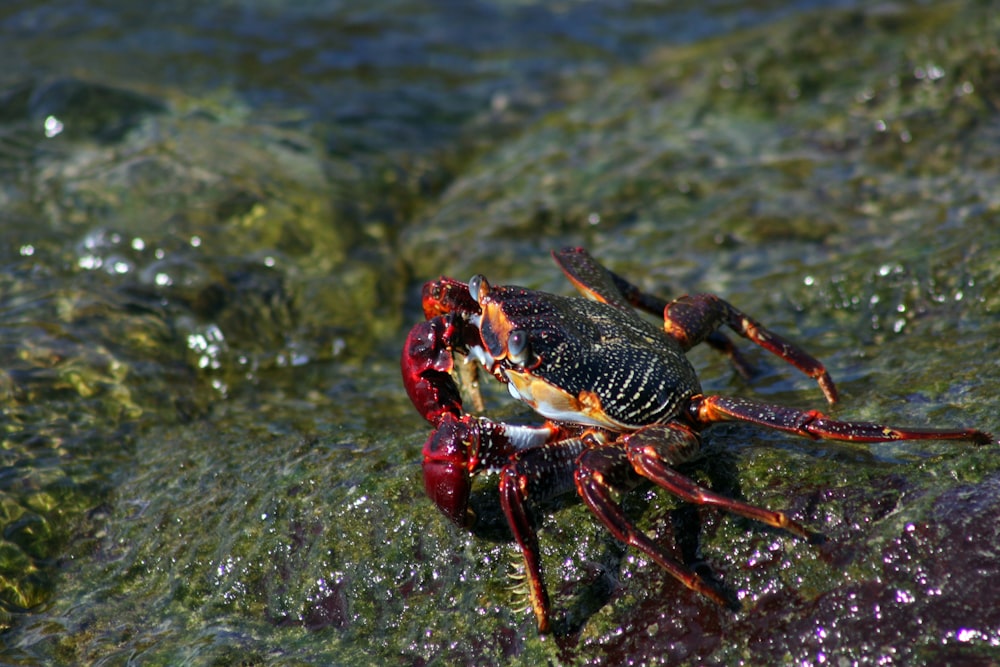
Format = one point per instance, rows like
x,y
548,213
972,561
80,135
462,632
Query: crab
x,y
621,402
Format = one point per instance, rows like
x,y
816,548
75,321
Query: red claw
x,y
446,295
426,365
446,466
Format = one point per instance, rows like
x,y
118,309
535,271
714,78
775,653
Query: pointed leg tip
x,y
728,600
718,594
984,438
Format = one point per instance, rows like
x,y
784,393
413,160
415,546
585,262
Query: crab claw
x,y
446,295
446,467
426,366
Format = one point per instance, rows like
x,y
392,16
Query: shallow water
x,y
217,222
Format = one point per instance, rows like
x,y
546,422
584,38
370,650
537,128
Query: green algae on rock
x,y
834,173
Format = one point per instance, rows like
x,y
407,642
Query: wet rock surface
x,y
209,269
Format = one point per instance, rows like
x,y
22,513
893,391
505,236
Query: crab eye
x,y
478,286
517,346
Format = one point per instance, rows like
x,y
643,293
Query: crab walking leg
x,y
654,305
812,424
654,450
691,319
598,283
601,469
540,474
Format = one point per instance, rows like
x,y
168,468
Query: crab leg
x,y
461,447
654,450
654,305
691,319
598,283
812,424
601,469
541,473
